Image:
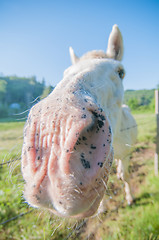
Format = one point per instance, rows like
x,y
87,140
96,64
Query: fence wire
x,y
8,162
16,217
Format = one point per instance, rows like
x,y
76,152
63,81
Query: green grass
x,y
139,222
146,127
11,137
37,224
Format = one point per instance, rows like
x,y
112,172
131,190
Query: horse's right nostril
x,y
98,121
92,148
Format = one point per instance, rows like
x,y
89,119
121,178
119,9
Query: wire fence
x,y
8,162
16,217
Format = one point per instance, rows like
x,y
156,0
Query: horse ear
x,y
115,44
74,58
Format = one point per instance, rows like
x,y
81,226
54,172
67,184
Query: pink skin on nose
x,y
66,155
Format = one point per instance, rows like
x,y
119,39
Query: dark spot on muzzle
x,y
93,147
85,163
100,123
100,164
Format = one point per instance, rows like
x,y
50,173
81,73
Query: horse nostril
x,y
98,121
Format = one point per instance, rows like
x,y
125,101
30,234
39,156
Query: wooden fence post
x,y
156,163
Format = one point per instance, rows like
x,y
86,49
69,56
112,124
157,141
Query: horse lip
x,y
72,212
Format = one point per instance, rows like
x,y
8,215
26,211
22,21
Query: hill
x,y
140,99
19,93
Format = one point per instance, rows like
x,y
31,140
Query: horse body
x,y
69,136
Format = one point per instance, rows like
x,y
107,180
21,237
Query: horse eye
x,y
121,73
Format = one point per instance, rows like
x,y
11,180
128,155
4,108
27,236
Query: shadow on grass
x,y
145,196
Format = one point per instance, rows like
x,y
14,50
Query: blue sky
x,y
35,36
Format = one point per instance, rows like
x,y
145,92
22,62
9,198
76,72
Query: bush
x,y
133,103
3,111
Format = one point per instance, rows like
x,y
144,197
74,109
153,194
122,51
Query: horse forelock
x,y
94,54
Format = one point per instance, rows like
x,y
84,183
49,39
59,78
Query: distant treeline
x,y
140,100
18,94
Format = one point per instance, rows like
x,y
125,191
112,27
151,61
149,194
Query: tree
x,y
46,92
133,103
3,90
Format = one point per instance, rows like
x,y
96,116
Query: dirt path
x,y
94,228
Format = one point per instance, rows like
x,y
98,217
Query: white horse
x,y
70,135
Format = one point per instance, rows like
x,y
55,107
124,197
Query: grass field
x,y
138,222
